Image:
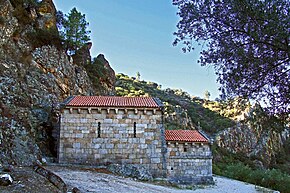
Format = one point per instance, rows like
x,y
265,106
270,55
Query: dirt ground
x,y
25,180
99,181
88,179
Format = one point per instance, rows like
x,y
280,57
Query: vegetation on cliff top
x,y
210,121
73,29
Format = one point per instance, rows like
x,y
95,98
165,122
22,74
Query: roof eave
x,y
186,141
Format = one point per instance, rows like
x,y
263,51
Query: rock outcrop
x,y
177,116
259,144
5,180
35,75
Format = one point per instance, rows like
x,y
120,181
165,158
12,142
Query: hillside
x,y
244,144
181,110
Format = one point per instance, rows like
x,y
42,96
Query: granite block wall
x,y
99,136
189,163
104,136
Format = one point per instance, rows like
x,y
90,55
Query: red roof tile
x,y
113,101
184,135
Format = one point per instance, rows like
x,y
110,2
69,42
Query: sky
x,y
137,36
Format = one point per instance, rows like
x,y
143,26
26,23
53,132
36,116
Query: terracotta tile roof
x,y
114,101
184,135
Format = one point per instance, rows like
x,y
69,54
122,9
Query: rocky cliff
x,y
260,145
35,75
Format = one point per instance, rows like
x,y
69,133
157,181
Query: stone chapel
x,y
103,130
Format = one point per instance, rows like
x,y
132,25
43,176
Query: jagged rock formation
x,y
251,141
35,74
177,117
108,81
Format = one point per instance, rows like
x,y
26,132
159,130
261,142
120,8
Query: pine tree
x,y
73,27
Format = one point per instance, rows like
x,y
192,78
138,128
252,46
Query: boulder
x,y
76,190
5,180
131,170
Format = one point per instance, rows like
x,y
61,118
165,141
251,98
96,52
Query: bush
x,y
2,21
238,171
21,10
97,72
42,37
274,179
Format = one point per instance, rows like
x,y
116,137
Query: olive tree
x,y
247,43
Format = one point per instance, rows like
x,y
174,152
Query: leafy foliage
x,y
247,41
2,21
73,28
273,178
41,37
96,71
282,160
239,167
259,118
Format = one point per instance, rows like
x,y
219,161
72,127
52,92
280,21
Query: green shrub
x,y
238,171
277,180
41,37
274,179
2,21
21,10
97,73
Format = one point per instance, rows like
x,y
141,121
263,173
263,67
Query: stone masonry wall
x,y
189,163
104,136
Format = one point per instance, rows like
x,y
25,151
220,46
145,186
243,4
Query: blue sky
x,y
136,36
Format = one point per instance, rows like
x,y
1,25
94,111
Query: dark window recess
x,y
99,129
171,168
185,149
134,129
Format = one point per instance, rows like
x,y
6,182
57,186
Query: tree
x,y
206,95
138,75
247,43
73,28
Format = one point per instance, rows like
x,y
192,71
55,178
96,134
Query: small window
x,y
185,149
171,168
99,129
134,129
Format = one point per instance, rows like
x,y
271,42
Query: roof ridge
x,y
115,101
185,135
